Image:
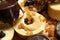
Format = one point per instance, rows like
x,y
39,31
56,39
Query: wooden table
x,y
16,37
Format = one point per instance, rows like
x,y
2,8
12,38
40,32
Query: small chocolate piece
x,y
42,8
27,21
2,34
41,5
29,2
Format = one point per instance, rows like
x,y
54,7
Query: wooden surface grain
x,y
16,37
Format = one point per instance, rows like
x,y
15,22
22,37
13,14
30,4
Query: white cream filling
x,y
55,6
9,33
22,3
36,27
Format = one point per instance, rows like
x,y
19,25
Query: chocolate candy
x,y
2,34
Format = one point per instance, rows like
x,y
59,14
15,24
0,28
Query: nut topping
x,y
29,33
21,26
